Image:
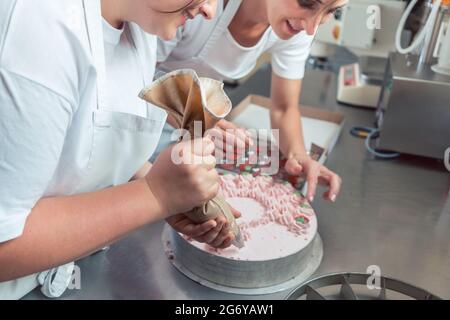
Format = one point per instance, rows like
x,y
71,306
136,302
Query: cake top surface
x,y
276,221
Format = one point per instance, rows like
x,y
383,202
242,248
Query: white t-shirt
x,y
226,59
47,98
123,71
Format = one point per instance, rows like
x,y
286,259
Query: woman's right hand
x,y
184,177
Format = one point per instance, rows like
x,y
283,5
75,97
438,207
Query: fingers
x,y
200,229
244,136
219,237
229,140
235,213
173,220
196,152
207,162
207,151
236,131
184,225
223,235
326,178
208,146
226,125
293,167
209,236
217,233
227,242
319,174
312,179
335,182
202,146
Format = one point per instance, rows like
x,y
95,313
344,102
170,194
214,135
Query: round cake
x,y
282,247
276,219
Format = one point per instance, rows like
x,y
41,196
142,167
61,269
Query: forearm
x,y
288,121
60,230
285,115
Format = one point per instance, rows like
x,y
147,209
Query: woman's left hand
x,y
316,174
216,233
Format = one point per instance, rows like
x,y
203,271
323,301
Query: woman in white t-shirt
x,y
73,133
228,47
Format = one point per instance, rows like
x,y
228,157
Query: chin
x,y
168,35
279,27
281,33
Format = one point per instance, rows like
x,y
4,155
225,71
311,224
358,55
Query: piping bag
x,y
188,98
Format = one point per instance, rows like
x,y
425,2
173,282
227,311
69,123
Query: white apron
x,y
120,146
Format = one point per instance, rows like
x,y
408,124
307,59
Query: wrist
x,y
157,206
145,169
297,154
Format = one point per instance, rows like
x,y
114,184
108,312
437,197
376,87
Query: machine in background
x,y
414,109
367,28
413,97
413,113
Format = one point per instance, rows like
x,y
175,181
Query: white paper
x,y
320,132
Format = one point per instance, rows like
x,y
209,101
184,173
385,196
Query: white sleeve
x,y
165,48
33,125
289,57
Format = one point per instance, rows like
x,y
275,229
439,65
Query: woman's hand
x,y
230,139
184,177
316,174
216,232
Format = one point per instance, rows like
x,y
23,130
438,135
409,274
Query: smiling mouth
x,y
184,19
291,28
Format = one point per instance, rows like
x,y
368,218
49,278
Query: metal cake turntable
x,y
353,286
239,276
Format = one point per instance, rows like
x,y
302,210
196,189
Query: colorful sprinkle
x,y
279,198
302,219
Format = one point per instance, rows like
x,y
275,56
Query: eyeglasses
x,y
193,4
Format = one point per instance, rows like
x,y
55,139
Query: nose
x,y
207,10
311,24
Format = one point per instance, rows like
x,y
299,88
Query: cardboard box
x,y
321,127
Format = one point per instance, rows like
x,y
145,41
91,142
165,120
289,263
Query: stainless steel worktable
x,y
394,214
